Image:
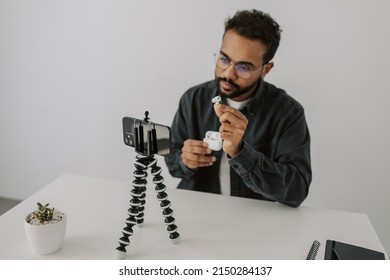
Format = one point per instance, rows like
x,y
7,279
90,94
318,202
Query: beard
x,y
239,91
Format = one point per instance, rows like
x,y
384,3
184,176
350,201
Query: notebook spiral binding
x,y
313,250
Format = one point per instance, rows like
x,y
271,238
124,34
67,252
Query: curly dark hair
x,y
256,25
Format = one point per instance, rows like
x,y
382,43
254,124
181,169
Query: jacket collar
x,y
256,97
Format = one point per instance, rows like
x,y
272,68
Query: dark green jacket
x,y
274,163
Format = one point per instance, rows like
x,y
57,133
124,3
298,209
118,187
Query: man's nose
x,y
230,72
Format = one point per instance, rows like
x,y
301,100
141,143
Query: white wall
x,y
70,70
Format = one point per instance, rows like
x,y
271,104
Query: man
x,y
266,142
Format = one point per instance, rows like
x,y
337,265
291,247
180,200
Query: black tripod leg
x,y
165,204
137,202
135,211
141,165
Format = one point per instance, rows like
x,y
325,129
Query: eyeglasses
x,y
243,70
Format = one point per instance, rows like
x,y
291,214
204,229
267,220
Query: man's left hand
x,y
233,126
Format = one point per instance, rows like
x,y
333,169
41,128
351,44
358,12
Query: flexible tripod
x,y
145,160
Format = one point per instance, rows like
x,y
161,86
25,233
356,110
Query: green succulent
x,y
44,213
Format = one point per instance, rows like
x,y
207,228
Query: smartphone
x,y
147,138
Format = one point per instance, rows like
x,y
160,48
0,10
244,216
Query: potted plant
x,y
45,229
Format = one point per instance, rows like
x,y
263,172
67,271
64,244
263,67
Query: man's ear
x,y
266,69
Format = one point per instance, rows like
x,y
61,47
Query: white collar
x,y
237,104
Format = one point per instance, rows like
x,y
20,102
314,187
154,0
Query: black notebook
x,y
341,251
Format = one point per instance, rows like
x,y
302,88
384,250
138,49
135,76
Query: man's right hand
x,y
195,154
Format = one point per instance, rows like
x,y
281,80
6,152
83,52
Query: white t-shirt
x,y
224,171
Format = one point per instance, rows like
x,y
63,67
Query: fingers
x,y
195,154
230,115
218,108
227,131
232,130
232,139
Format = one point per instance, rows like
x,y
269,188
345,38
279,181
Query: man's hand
x,y
233,126
195,154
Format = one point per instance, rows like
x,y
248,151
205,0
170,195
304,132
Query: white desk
x,y
211,226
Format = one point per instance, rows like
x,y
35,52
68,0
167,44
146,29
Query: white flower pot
x,y
45,239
